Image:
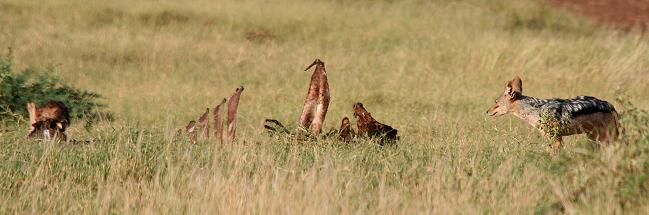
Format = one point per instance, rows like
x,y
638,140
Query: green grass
x,y
428,68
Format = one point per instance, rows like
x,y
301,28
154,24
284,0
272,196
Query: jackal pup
x,y
556,118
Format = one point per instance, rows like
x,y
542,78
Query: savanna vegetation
x,y
427,68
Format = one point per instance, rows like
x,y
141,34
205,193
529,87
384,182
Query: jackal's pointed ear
x,y
514,87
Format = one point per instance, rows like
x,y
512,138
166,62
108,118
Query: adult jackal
x,y
560,117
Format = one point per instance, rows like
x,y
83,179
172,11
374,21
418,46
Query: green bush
x,y
40,86
635,121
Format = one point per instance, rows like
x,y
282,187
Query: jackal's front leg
x,y
557,143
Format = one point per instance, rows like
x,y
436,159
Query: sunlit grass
x,y
428,69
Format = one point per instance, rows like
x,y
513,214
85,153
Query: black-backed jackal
x,y
560,117
48,121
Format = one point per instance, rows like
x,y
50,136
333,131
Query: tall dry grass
x,y
427,68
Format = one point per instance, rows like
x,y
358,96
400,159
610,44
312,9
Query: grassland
x,y
427,68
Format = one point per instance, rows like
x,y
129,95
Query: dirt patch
x,y
623,14
259,35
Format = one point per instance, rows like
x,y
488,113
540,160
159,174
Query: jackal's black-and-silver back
x,y
580,105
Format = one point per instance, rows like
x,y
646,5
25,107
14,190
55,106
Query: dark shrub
x,y
40,86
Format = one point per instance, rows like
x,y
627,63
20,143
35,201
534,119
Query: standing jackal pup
x,y
560,117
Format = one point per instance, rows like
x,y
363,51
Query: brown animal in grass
x,y
557,118
345,134
47,130
48,121
368,126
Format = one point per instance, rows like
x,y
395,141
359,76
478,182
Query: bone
x,y
233,105
367,126
275,127
218,122
317,100
203,121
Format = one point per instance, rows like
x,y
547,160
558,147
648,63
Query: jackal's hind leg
x,y
592,139
601,137
556,145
